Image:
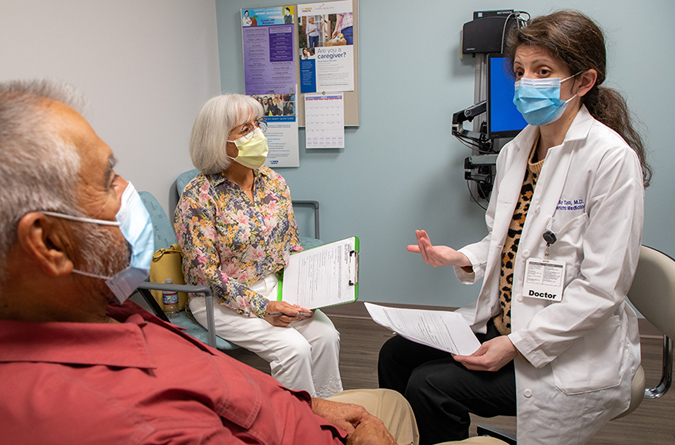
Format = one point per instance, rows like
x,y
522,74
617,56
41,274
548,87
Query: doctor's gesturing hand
x,y
437,255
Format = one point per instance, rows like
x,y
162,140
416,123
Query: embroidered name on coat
x,y
571,204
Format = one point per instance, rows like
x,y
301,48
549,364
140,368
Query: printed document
x,y
323,276
447,331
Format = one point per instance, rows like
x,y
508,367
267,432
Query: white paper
x,y
447,331
306,9
321,276
282,142
334,68
324,120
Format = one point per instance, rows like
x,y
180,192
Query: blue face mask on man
x,y
135,224
538,100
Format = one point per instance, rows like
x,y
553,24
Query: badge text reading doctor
x,y
544,278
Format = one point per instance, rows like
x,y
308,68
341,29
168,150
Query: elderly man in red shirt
x,y
78,364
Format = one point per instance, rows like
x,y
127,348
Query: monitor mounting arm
x,y
479,138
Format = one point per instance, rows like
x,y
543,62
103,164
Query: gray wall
x,y
402,170
145,66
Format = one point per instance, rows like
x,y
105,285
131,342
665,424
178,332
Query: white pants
x,y
304,355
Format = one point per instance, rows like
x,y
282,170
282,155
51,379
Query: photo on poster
x,y
279,112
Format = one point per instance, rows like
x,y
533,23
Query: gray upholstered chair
x,y
164,237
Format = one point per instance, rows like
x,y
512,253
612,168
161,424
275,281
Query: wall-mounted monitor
x,y
503,118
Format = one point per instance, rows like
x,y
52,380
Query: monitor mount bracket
x,y
480,139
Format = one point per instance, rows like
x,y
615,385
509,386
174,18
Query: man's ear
x,y
586,81
46,242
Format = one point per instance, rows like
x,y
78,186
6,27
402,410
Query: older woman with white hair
x,y
235,224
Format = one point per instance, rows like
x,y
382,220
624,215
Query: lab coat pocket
x,y
569,233
593,362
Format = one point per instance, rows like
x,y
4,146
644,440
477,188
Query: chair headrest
x,y
653,289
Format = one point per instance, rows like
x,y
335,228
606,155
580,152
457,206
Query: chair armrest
x,y
315,206
208,294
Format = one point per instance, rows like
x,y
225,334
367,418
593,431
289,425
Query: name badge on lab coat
x,y
544,279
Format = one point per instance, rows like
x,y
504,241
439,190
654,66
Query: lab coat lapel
x,y
554,173
511,184
509,187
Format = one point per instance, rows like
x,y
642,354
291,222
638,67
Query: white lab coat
x,y
582,352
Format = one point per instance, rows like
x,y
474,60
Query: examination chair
x,y
653,294
165,237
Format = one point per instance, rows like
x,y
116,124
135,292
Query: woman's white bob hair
x,y
212,128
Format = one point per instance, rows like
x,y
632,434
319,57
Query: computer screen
x,y
503,118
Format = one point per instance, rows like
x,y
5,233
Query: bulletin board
x,y
280,77
351,98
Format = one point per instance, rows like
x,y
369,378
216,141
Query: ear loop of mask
x,y
82,219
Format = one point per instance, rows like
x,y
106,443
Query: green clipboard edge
x,y
357,248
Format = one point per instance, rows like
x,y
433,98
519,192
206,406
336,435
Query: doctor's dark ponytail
x,y
578,42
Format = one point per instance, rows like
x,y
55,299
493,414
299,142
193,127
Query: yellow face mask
x,y
252,149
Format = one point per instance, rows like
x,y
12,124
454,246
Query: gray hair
x,y
38,170
212,128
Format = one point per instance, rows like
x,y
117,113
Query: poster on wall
x,y
268,43
269,73
282,129
326,46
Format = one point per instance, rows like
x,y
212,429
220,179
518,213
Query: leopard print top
x,y
502,320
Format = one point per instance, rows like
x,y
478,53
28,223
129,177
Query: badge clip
x,y
550,239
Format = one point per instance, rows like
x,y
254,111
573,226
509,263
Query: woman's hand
x,y
491,356
437,255
282,314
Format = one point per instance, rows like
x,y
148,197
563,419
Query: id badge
x,y
544,279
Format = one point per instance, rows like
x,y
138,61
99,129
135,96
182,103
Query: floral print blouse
x,y
230,242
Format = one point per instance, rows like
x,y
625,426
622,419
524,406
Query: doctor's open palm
x,y
437,255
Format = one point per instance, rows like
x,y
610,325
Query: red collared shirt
x,y
140,381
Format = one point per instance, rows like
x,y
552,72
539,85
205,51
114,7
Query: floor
x,y
652,423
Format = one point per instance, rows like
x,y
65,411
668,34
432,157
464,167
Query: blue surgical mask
x,y
538,100
135,224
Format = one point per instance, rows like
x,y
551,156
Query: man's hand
x,y
371,432
362,427
437,255
344,415
491,356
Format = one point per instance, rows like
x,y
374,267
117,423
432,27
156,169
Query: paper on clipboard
x,y
447,331
323,276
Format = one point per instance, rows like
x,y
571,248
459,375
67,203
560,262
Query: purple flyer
x,y
267,37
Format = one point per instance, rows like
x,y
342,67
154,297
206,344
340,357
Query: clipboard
x,y
324,276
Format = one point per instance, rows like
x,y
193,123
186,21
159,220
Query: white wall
x,y
146,67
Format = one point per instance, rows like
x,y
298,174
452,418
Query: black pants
x,y
443,392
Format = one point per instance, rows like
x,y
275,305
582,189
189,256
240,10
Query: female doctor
x,y
567,205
